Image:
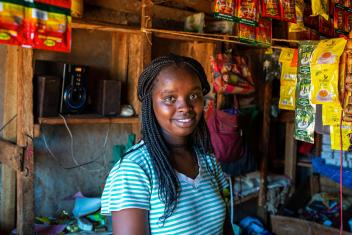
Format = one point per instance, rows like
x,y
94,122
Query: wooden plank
x,y
290,152
91,25
25,178
134,6
282,225
77,120
8,175
265,151
10,155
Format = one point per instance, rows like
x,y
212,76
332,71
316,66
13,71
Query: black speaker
x,y
74,89
108,97
47,95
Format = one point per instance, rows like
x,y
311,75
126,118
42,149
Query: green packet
x,y
305,110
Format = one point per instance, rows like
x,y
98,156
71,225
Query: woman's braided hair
x,y
169,184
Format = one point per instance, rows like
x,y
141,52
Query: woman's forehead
x,y
170,76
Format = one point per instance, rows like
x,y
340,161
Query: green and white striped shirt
x,y
200,208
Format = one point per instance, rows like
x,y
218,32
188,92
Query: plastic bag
x,y
299,25
335,137
320,7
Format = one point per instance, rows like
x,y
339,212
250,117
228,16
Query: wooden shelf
x,y
93,25
307,164
239,200
87,119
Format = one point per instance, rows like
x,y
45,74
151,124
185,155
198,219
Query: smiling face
x,y
177,103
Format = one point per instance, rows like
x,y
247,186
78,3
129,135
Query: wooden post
x,y
265,151
290,152
25,178
8,103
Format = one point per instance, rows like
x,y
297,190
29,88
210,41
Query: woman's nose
x,y
184,105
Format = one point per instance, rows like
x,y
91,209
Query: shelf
x,y
93,25
306,164
239,200
87,119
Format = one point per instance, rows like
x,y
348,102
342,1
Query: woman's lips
x,y
184,122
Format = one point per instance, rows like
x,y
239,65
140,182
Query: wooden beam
x,y
92,25
265,152
290,152
134,6
25,178
10,154
8,102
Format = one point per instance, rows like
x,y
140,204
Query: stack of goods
x,y
332,157
39,24
324,208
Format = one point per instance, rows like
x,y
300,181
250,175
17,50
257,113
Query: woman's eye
x,y
193,96
169,99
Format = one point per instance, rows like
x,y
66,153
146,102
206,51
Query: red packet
x,y
247,33
264,32
348,22
11,23
48,27
247,12
271,9
225,9
58,3
339,20
288,11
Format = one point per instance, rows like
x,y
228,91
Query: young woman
x,y
169,183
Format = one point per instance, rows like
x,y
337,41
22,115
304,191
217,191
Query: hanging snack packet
x,y
264,32
247,12
320,7
288,11
49,27
325,71
331,114
288,80
339,20
305,110
335,137
348,22
225,9
247,33
299,25
11,23
271,9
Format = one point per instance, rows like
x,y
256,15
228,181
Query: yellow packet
x,y
325,70
331,115
328,51
325,80
299,25
288,83
320,7
335,137
286,55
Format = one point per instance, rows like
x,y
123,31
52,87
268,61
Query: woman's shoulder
x,y
137,155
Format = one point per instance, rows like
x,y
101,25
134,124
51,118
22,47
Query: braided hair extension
x,y
169,184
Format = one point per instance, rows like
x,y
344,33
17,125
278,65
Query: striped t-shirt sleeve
x,y
127,186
